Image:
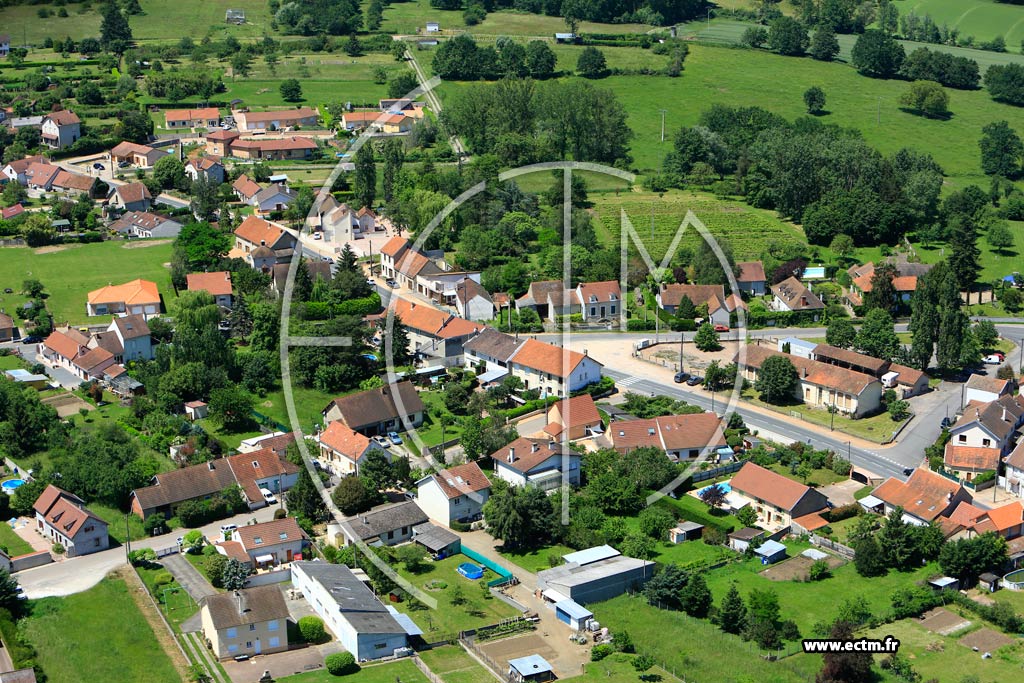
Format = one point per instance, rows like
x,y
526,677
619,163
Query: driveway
x,y
188,576
281,664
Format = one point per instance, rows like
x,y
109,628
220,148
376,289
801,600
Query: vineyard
x,y
748,230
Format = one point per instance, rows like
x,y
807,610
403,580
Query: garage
x,y
572,613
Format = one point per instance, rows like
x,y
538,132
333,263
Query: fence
x,y
716,472
489,664
164,552
421,665
504,575
31,560
823,542
267,578
988,483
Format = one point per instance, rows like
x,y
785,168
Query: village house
x,y
218,142
209,168
390,254
574,418
62,346
248,121
362,623
984,389
62,517
61,129
550,299
426,273
537,462
1013,481
682,437
820,385
250,621
390,408
599,301
262,469
245,188
487,355
73,184
793,295
40,176
345,223
262,244
131,154
137,297
909,381
343,450
127,338
5,45
216,284
403,105
989,425
7,327
9,212
552,370
208,117
472,301
456,494
967,462
269,544
720,307
294,147
777,500
389,123
925,497
272,199
15,170
434,334
751,279
146,225
360,120
386,524
170,489
905,281
316,269
130,197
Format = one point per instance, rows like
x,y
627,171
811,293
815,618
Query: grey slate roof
x,y
247,606
386,518
494,344
357,603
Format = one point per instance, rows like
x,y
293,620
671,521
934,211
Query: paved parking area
x,y
188,576
280,664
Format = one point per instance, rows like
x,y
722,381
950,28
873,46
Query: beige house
x,y
342,449
777,500
924,498
274,120
252,621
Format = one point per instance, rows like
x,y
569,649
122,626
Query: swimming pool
x,y
11,484
471,571
723,485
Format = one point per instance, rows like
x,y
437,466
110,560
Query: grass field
x,y
537,559
877,428
14,543
174,602
454,665
408,17
477,611
115,520
104,627
70,273
983,19
403,670
747,229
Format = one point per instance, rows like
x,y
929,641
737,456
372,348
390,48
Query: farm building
x,y
594,574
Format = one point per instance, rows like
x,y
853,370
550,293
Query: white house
x,y
262,469
793,295
62,517
145,225
924,497
1013,481
472,301
350,610
138,297
989,425
487,354
456,494
61,129
209,168
272,199
269,544
537,462
342,450
983,389
552,370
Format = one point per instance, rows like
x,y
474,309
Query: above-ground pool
x,y
11,484
723,485
471,571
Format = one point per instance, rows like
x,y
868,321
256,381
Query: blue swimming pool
x,y
724,485
471,571
11,484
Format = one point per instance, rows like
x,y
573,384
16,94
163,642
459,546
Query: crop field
x,y
983,19
748,230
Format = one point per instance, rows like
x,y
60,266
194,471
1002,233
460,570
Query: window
x,y
272,625
457,500
391,535
232,633
248,645
232,648
593,311
962,438
986,442
252,627
379,646
258,540
275,642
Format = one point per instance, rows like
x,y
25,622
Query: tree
x,y
591,63
777,381
754,36
353,48
824,46
655,522
845,667
402,84
732,613
715,376
696,597
877,54
412,555
666,588
304,501
840,333
787,36
169,172
394,155
883,290
365,179
32,288
115,34
1000,237
868,559
312,629
234,575
964,252
353,496
291,90
926,98
895,540
763,619
1005,83
341,664
1001,150
205,201
241,65
814,98
520,516
231,407
965,559
713,496
986,334
540,60
877,336
747,516
706,338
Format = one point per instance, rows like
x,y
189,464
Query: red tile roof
x,y
604,291
256,536
64,511
133,192
275,145
245,186
260,116
751,271
63,118
529,453
970,457
547,358
217,283
206,114
429,321
137,291
261,464
73,181
258,231
63,344
761,483
925,495
339,437
1006,516
813,372
581,410
461,480
93,358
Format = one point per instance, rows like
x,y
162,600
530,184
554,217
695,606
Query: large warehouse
x,y
594,574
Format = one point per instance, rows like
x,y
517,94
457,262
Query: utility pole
x,y
681,337
663,112
878,112
709,19
127,539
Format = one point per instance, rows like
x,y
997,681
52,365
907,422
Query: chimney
x,y
949,497
365,520
552,444
238,601
511,454
1004,415
534,447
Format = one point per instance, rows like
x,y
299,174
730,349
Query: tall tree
x,y
115,34
787,36
394,155
877,54
824,46
365,180
844,667
883,291
732,613
777,381
1001,150
964,252
877,336
840,333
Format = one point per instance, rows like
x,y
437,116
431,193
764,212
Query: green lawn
x,y
842,529
407,17
174,601
537,559
13,543
403,670
199,562
983,19
454,665
11,362
688,507
819,477
116,523
448,617
877,428
430,432
70,273
618,668
103,625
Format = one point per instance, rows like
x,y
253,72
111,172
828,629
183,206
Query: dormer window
x,y
258,540
256,464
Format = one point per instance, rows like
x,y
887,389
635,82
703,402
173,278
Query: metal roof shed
x,y
771,551
572,613
529,668
588,555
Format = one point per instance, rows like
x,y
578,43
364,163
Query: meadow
x,y
70,273
983,19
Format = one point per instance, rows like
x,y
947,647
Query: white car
x,y
992,360
228,528
318,235
268,496
382,441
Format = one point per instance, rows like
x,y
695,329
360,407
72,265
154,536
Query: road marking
x,y
629,381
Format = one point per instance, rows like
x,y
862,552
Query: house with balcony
x,y
537,462
456,494
269,544
61,129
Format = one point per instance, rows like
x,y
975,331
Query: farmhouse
x,y
599,301
62,517
793,295
137,297
552,370
145,225
350,610
820,385
777,500
61,129
593,575
192,118
342,449
924,497
216,284
682,437
909,381
537,462
393,407
456,494
905,282
251,621
248,121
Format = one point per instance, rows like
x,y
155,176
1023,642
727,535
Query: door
x,y
562,616
258,647
288,555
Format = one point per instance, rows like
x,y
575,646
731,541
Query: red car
x,y
721,328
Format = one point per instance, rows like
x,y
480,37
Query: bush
x,y
600,652
57,549
142,557
312,630
843,512
340,663
819,570
280,513
163,579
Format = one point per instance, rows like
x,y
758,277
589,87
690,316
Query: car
x,y
946,422
370,282
907,471
992,359
124,164
395,438
382,442
721,328
31,339
98,166
268,496
681,377
228,528
1002,356
8,290
694,381
392,283
318,235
